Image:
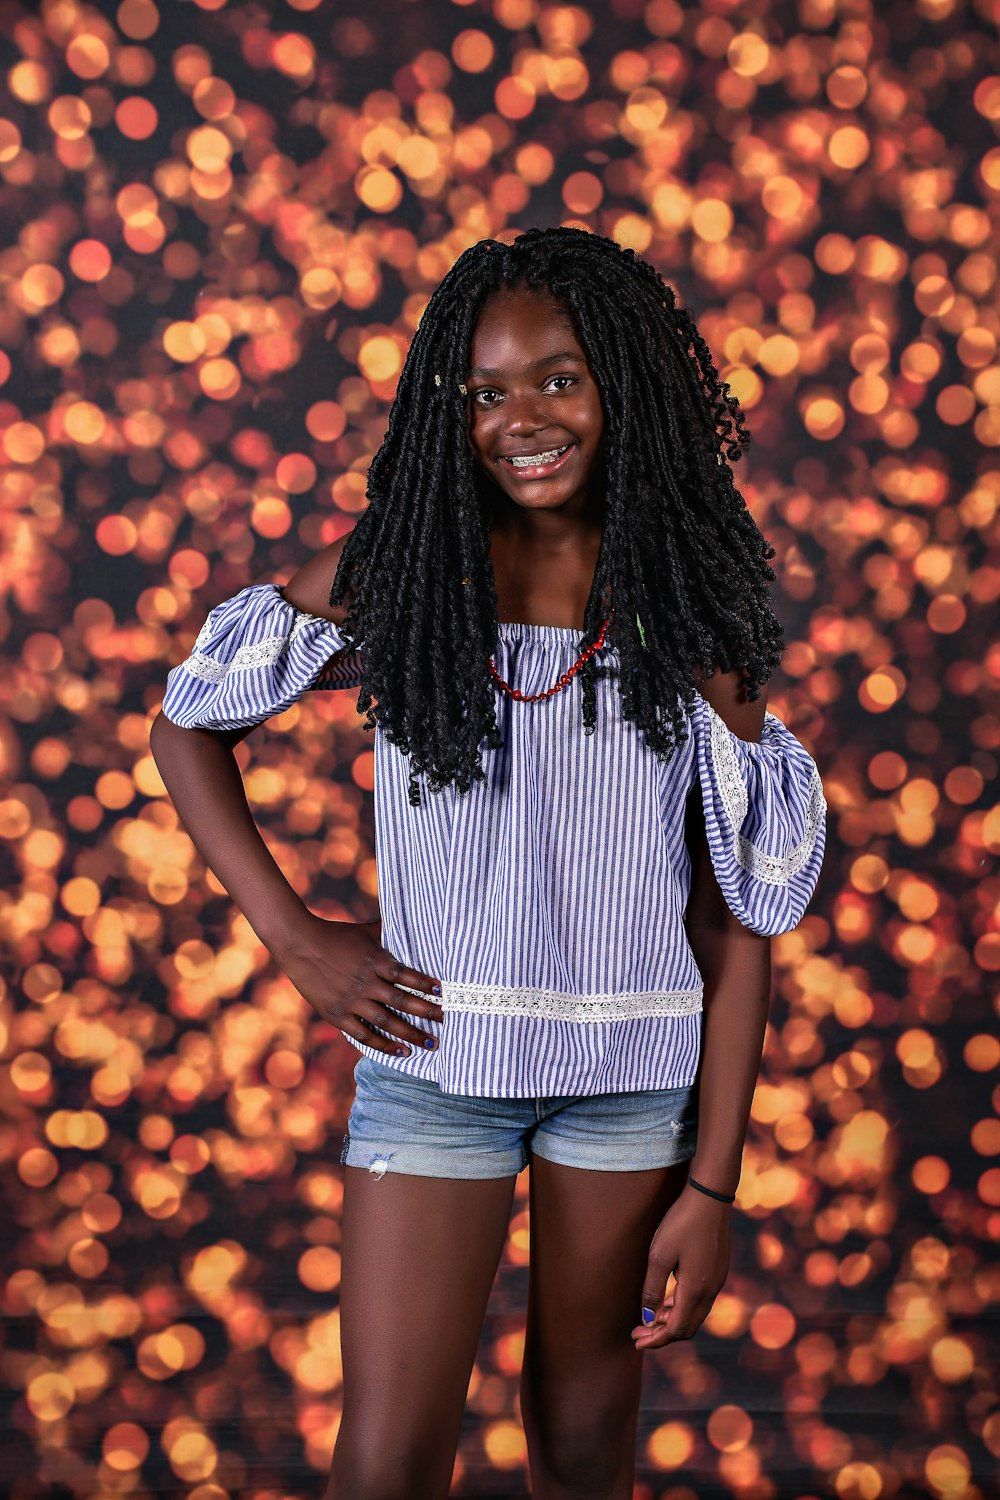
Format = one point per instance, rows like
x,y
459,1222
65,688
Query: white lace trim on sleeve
x,y
256,654
769,868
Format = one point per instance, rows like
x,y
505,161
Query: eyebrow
x,y
547,359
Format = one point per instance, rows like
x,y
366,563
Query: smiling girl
x,y
558,602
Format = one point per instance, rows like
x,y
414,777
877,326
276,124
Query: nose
x,y
524,413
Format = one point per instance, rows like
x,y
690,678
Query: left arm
x,y
735,964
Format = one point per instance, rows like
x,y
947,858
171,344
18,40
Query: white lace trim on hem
x,y
555,1005
771,869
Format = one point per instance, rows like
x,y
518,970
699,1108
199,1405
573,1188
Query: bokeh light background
x,y
221,225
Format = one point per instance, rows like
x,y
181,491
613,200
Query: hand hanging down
x,y
693,1243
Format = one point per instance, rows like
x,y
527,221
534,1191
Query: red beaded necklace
x,y
562,682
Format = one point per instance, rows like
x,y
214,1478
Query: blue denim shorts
x,y
400,1123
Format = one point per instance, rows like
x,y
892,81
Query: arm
x,y
736,966
202,777
693,1240
756,833
257,654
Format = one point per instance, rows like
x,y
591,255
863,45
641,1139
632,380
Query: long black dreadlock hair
x,y
686,563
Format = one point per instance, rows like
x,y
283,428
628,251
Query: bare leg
x,y
582,1374
419,1256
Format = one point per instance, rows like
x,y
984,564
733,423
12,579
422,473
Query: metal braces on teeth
x,y
531,460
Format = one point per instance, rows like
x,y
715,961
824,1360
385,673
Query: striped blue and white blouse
x,y
549,900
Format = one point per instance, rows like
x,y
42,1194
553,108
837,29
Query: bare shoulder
x,y
309,588
726,692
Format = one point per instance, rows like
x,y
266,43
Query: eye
x,y
489,391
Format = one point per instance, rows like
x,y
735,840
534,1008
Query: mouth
x,y
538,465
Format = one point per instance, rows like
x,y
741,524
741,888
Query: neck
x,y
546,531
544,575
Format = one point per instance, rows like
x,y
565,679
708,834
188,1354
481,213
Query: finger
x,y
399,1041
391,972
400,999
678,1322
389,967
684,1318
359,1032
661,1266
376,1014
646,1330
388,1002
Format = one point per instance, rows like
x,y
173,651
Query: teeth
x,y
531,460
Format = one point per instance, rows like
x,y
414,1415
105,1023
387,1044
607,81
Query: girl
x,y
557,599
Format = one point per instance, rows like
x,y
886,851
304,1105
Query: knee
x,y
340,1489
588,1452
365,1473
347,1482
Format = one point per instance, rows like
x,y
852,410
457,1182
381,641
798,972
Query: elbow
x,y
165,737
165,733
163,730
162,734
156,734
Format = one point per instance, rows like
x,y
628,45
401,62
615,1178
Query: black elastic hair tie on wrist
x,y
722,1197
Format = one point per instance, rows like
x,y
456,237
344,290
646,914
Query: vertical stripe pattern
x,y
254,657
549,899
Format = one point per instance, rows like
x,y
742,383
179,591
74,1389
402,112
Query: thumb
x,y
653,1292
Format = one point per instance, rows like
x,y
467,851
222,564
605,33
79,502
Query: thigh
x,y
418,1259
581,1382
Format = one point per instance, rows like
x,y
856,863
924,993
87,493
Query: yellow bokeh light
x,y
87,55
380,358
670,1446
473,51
748,54
645,109
70,117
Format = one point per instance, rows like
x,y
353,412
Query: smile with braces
x,y
531,460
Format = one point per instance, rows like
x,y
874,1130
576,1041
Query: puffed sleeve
x,y
255,655
765,817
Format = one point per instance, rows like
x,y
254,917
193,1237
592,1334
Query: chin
x,y
541,503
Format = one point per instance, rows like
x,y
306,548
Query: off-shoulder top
x,y
549,900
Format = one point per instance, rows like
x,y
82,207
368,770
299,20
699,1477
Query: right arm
x,y
202,776
341,968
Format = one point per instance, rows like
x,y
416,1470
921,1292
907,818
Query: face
x,y
531,392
